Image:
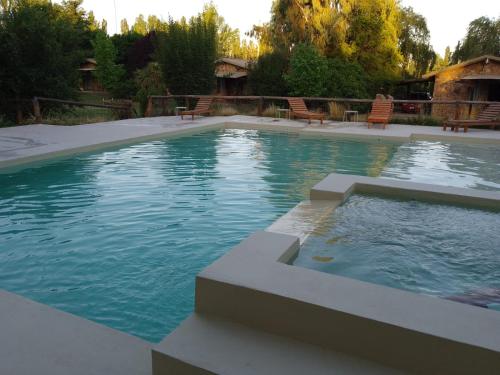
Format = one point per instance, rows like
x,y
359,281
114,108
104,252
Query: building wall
x,y
448,87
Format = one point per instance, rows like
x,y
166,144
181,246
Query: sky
x,y
446,19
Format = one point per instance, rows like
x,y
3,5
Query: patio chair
x,y
487,117
298,109
381,111
202,107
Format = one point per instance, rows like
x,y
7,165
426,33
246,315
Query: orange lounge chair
x,y
381,111
488,117
202,107
298,109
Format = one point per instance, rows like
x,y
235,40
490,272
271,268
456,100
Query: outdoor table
x,y
280,110
348,113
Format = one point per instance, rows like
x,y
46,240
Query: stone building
x,y
472,80
231,76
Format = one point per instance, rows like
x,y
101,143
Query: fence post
x,y
36,110
260,106
149,108
457,110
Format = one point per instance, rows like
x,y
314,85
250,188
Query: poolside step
x,y
206,345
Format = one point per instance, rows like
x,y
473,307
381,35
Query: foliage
x,y
187,54
149,81
443,62
40,45
372,37
229,43
482,38
266,76
414,44
308,72
124,45
124,28
110,74
346,80
141,52
144,27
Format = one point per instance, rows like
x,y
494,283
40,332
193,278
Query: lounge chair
x,y
298,109
202,107
488,117
381,111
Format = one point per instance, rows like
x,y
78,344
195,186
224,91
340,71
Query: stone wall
x,y
449,87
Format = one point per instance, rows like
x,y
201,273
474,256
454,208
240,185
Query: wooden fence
x,y
189,100
125,107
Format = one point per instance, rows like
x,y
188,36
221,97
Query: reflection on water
x,y
454,164
118,236
409,245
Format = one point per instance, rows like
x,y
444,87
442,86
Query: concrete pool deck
x,y
253,310
25,144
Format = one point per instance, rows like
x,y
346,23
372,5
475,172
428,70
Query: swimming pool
x,y
439,250
475,166
118,236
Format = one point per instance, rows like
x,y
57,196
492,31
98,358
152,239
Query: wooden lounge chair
x,y
298,109
202,107
488,117
381,111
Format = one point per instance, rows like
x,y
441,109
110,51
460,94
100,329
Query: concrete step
x,y
207,345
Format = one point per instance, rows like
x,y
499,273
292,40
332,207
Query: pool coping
x,y
254,285
271,264
94,137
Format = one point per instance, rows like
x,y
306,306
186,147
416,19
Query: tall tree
x,y
124,29
308,72
187,52
40,47
482,38
414,44
140,26
108,72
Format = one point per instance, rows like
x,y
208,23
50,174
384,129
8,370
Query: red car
x,y
414,107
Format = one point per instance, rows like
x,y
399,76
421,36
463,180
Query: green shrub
x,y
266,77
308,73
149,82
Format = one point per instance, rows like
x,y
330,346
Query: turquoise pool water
x,y
118,236
446,251
452,164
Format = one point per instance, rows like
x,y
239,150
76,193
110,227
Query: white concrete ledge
x,y
340,186
400,329
36,339
416,333
207,345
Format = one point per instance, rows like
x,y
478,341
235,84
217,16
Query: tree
x,y
482,38
124,29
373,37
443,62
41,44
140,26
187,52
149,82
308,72
414,44
266,77
346,79
110,74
